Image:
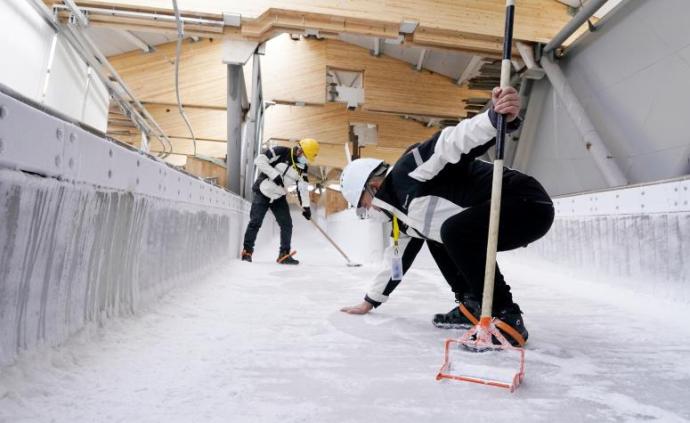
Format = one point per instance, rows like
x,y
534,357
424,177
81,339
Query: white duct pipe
x,y
114,12
569,29
594,144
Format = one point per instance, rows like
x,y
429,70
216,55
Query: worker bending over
x,y
440,193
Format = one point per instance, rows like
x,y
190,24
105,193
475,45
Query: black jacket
x,y
426,185
452,179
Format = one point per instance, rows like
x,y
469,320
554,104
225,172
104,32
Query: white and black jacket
x,y
437,179
277,161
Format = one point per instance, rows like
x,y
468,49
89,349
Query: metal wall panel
x,y
637,238
90,229
631,77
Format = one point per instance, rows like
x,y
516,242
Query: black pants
x,y
465,236
260,205
448,268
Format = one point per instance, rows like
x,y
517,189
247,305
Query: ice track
x,y
266,343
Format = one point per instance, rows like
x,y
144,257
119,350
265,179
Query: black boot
x,y
247,255
509,321
464,316
285,257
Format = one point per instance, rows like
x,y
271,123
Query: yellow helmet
x,y
310,148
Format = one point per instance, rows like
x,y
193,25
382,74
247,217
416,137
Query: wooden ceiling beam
x,y
334,155
487,47
330,124
202,76
283,20
466,25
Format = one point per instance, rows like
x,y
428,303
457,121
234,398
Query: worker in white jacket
x,y
439,192
279,168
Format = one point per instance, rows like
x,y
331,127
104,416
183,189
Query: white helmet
x,y
354,176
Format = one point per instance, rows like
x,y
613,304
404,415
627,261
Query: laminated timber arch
x,y
294,72
474,26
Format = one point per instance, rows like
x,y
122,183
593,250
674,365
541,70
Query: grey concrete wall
x,y
72,253
632,78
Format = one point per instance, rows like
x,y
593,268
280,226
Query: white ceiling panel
x,y
154,39
444,62
113,41
110,41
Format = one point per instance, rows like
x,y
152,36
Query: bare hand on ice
x,y
362,308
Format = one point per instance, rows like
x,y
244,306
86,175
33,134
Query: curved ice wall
x,y
635,237
90,229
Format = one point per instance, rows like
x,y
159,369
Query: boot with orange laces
x,y
247,255
508,320
285,257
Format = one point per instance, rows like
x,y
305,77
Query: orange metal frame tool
x,y
480,337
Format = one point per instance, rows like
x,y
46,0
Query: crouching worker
x,y
279,168
440,193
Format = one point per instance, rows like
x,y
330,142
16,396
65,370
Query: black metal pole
x,y
505,75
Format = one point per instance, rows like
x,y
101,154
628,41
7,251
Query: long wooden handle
x,y
330,240
497,181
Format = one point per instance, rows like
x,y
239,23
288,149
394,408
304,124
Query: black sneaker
x,y
509,321
464,316
246,255
285,257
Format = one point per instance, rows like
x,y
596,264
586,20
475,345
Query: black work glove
x,y
511,126
278,180
306,212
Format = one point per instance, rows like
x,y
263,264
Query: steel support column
x,y
235,118
528,131
235,54
252,140
513,139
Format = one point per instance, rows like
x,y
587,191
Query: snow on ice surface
x,y
262,342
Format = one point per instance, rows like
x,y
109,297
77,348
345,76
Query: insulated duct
x,y
569,29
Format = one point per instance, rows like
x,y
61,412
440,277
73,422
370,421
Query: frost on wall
x,y
648,253
72,254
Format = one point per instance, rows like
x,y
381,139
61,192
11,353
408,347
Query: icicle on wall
x,y
72,254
